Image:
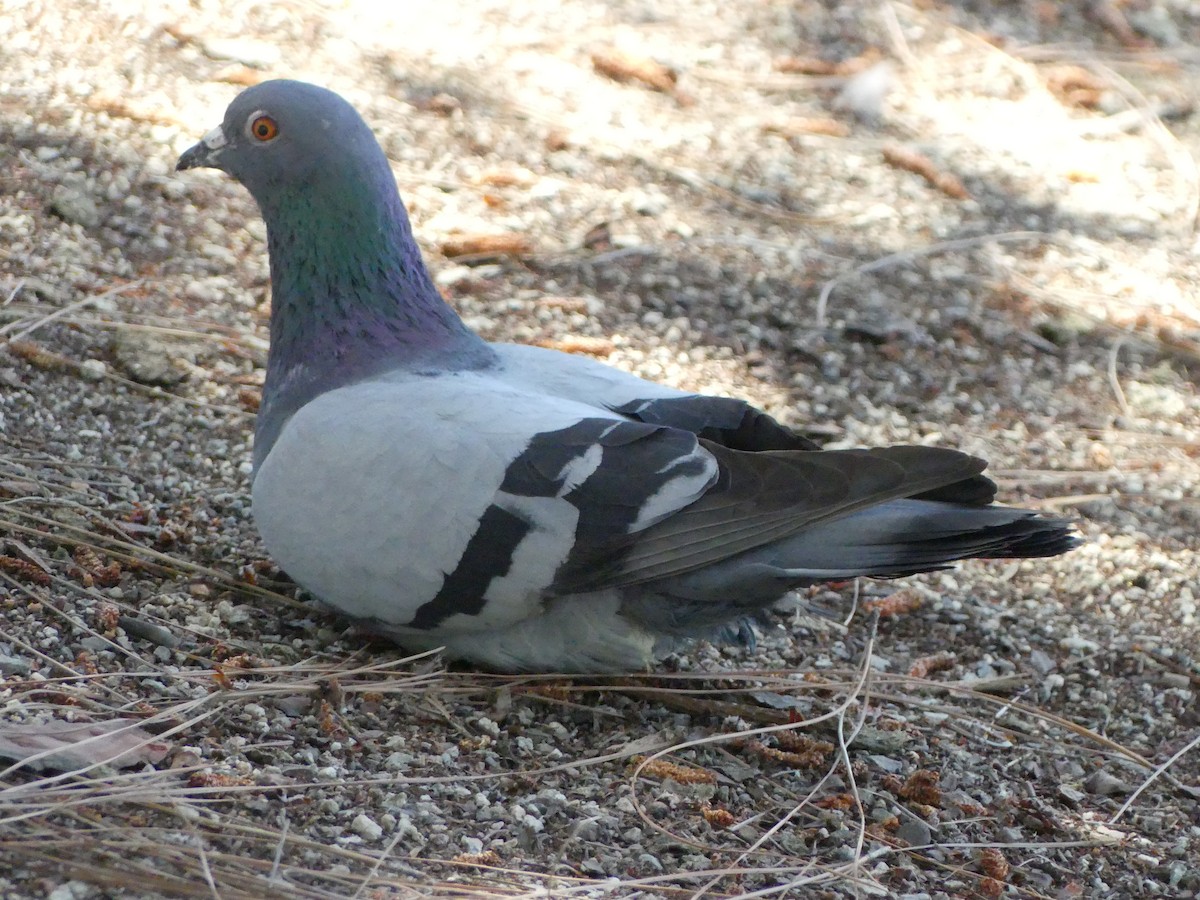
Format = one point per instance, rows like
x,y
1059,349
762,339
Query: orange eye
x,y
264,128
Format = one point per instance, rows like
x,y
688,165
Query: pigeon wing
x,y
760,498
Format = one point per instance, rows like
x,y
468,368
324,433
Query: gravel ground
x,y
970,224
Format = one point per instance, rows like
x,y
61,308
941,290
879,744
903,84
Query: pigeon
x,y
522,508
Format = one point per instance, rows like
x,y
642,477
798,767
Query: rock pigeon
x,y
522,508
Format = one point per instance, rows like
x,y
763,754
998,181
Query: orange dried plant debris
x,y
621,66
504,244
590,346
662,768
991,887
507,177
718,816
922,787
243,661
250,399
24,569
837,801
896,604
993,864
813,756
919,164
86,663
238,74
927,665
812,65
327,719
486,858
801,125
552,690
216,780
1076,86
90,569
798,742
107,617
39,356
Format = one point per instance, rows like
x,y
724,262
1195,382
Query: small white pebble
x,y
92,369
1051,683
1080,644
366,827
397,761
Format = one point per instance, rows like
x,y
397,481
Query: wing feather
x,y
761,498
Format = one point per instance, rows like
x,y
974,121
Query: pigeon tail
x,y
894,539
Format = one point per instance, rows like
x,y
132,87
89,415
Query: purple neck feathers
x,y
351,297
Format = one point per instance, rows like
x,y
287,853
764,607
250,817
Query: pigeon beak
x,y
206,153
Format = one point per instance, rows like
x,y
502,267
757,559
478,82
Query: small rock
x,y
12,665
864,94
1078,644
247,51
150,361
877,740
44,290
293,706
148,631
593,867
70,890
881,813
1042,662
1156,23
1071,794
889,765
92,369
1050,684
915,833
650,202
1066,328
73,204
398,761
545,188
1105,784
985,670
234,615
366,827
1155,400
651,862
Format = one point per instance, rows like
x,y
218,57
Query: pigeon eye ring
x,y
262,127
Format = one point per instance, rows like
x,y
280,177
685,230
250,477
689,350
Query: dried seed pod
x,y
661,768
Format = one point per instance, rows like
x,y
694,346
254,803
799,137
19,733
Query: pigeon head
x,y
351,297
281,136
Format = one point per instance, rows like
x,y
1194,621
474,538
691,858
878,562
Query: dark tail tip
x,y
1038,537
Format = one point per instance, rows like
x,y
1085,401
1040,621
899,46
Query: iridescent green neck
x,y
351,298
